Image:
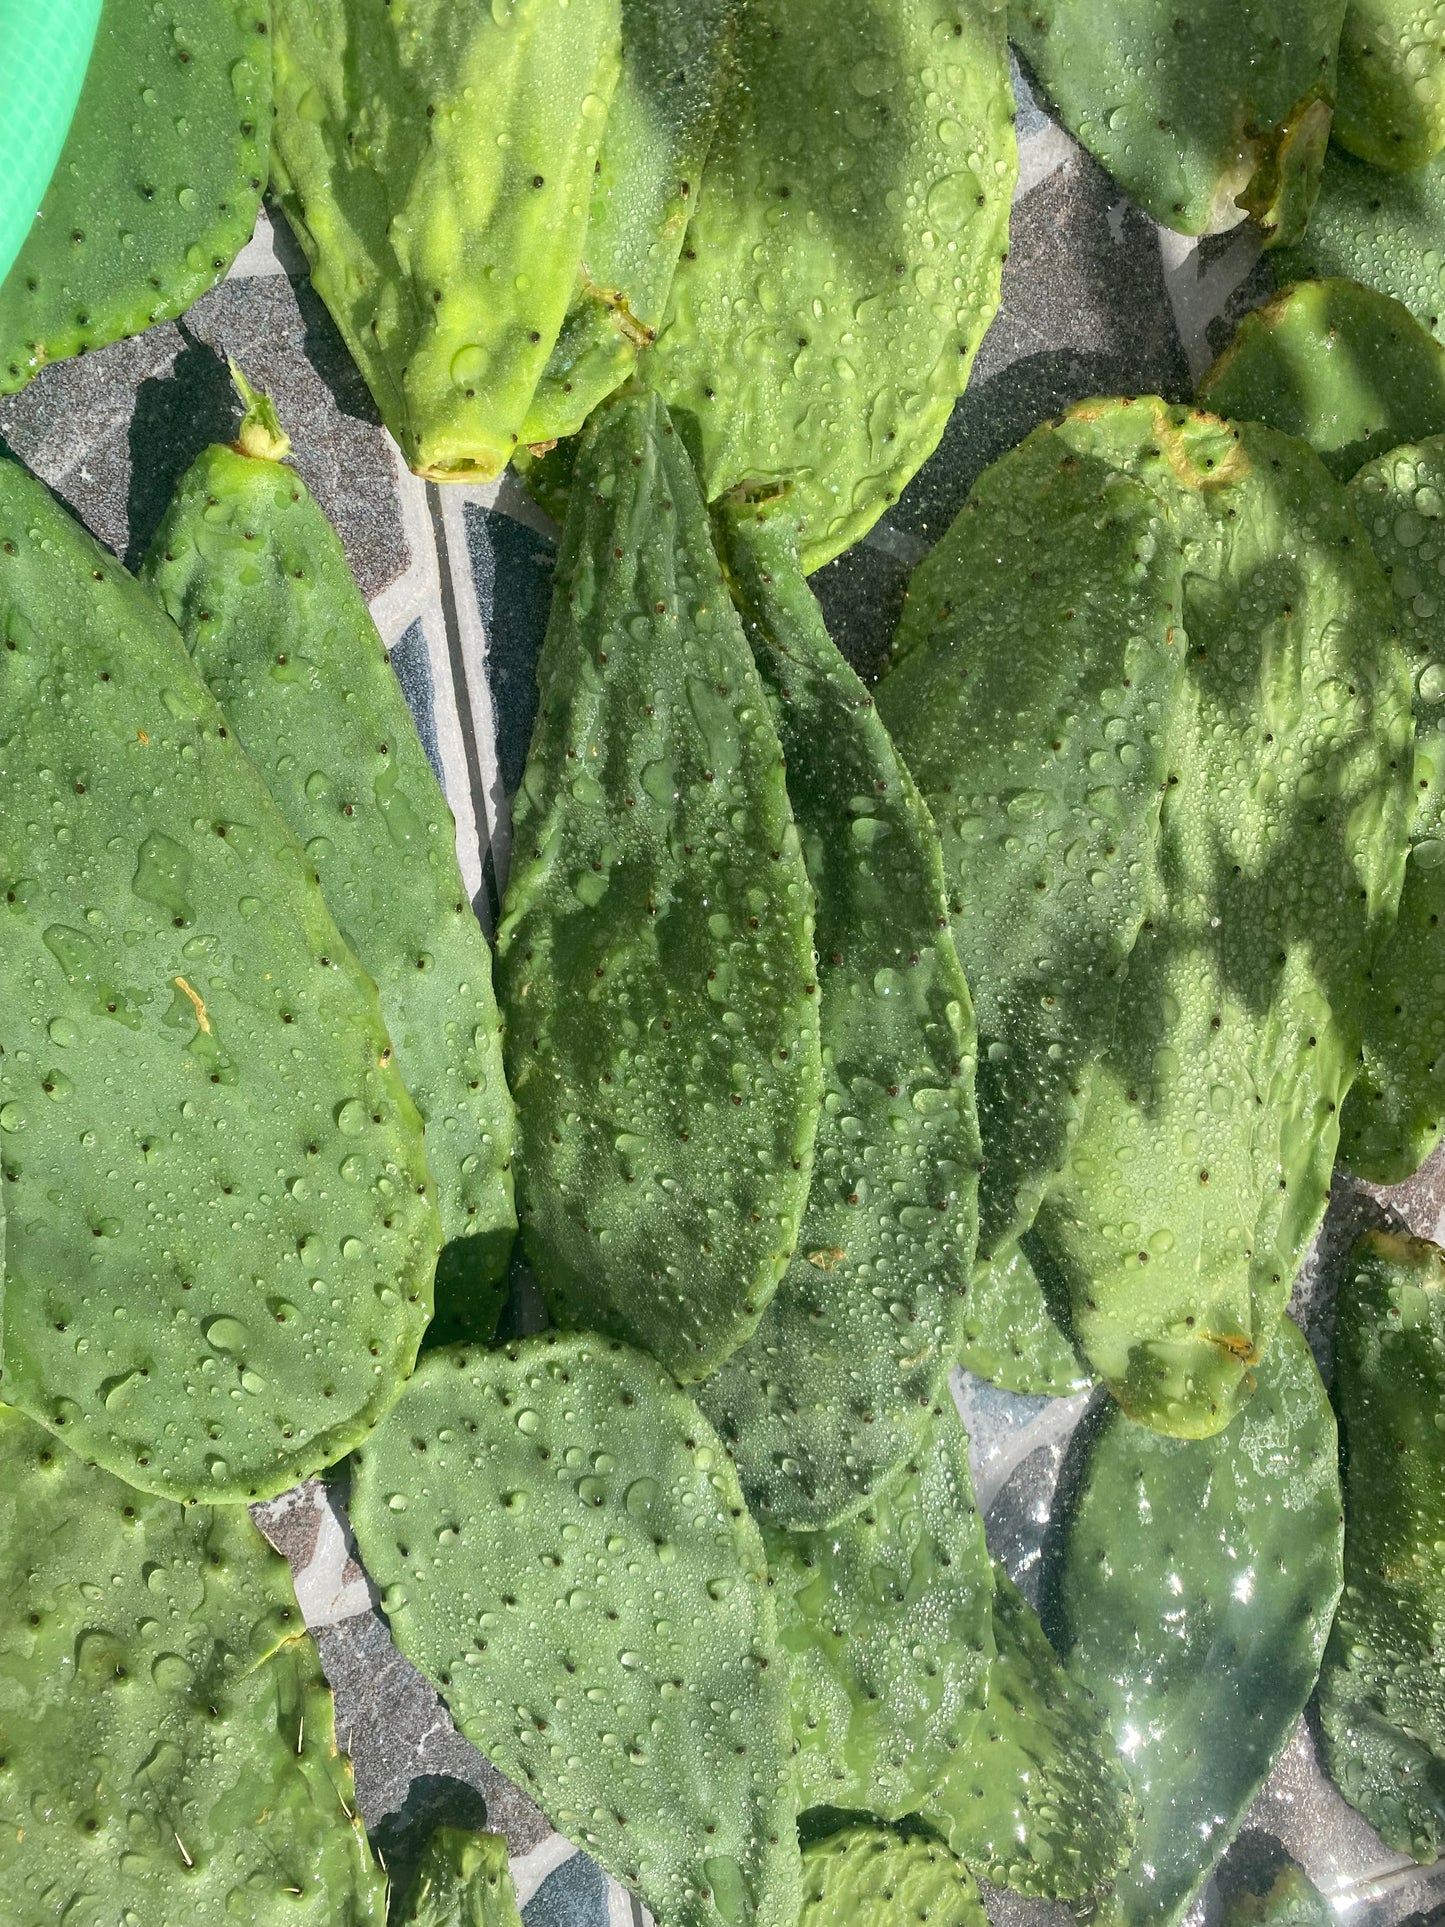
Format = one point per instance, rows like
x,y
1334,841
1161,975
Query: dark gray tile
x,y
512,567
412,663
574,1896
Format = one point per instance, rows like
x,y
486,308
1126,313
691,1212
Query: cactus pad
x,y
220,1236
843,259
158,184
1391,107
1009,1332
1382,229
869,1877
436,163
886,1624
1382,1697
1291,1900
167,1732
655,959
1198,1581
464,1880
254,577
565,1551
825,1397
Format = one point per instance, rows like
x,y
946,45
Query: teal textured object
x,y
1198,1581
655,958
1382,229
563,1549
168,1734
1382,1695
253,575
868,1877
464,1880
825,1397
44,56
220,1231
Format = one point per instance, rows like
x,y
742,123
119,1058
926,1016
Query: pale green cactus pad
x,y
1382,1695
1391,105
1197,1585
1204,1162
843,260
1382,229
1344,367
1202,114
167,1732
221,1234
1038,1801
655,958
659,128
1009,1332
886,1624
869,1877
464,1880
564,1550
1042,765
158,184
436,163
1291,1900
252,573
825,1397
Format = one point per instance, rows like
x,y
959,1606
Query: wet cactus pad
x,y
867,1877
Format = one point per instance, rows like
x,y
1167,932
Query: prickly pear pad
x,y
436,163
220,1235
564,1549
1382,229
843,260
1038,1802
251,572
1203,1166
1202,114
1009,1332
158,184
886,1623
826,1396
868,1877
655,958
1197,1584
464,1880
1391,106
1033,680
1382,1697
1292,1900
167,1732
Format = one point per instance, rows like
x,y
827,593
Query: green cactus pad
x,y
158,184
1197,1585
1382,229
464,1880
1039,1801
1204,1162
843,259
167,1732
565,1551
1009,1332
825,1397
220,1236
252,573
1291,1900
655,960
659,128
885,1621
1382,1695
1391,105
1344,367
436,163
1042,766
869,1877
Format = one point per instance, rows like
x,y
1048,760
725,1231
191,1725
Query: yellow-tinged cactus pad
x,y
167,1733
869,1877
1391,106
464,1880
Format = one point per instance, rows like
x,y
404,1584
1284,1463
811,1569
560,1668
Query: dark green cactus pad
x,y
436,163
1197,1584
869,1877
1342,366
464,1880
1390,109
886,1623
1291,1900
167,1731
659,128
564,1550
826,1395
221,1235
1198,154
1010,1331
158,184
843,259
1382,1693
1204,1162
655,959
1382,229
1042,766
252,573
1038,1801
